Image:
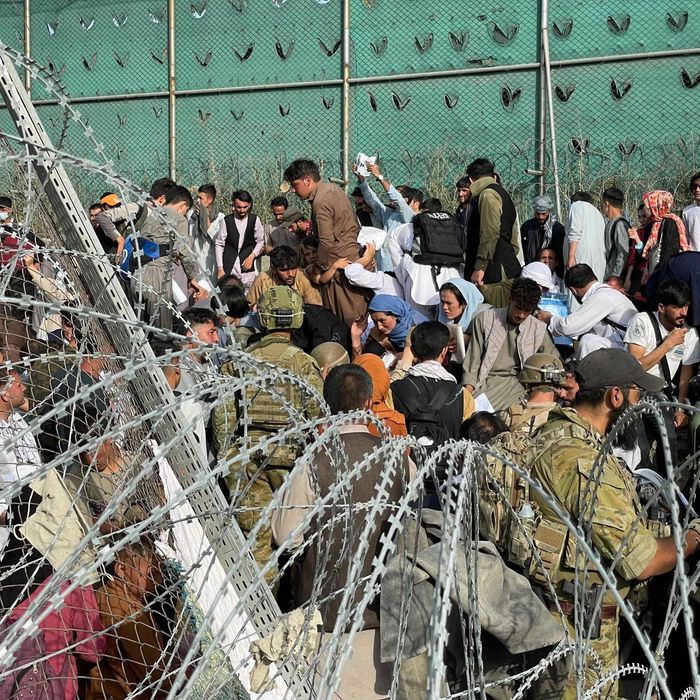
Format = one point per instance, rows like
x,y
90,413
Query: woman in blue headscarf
x,y
460,301
393,319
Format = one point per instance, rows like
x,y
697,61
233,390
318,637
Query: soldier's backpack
x,y
437,240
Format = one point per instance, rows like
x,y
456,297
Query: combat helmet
x,y
281,308
542,369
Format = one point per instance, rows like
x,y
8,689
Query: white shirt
x,y
378,282
598,304
691,219
586,226
19,458
220,243
641,332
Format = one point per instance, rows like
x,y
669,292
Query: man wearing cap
x,y
542,231
284,271
288,232
599,497
601,319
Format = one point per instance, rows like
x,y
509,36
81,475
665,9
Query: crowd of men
x,y
463,324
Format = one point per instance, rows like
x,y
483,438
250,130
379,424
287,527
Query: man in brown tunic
x,y
335,224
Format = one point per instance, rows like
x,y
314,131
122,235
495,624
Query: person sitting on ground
x,y
136,656
460,302
602,317
329,355
502,340
393,319
429,384
284,271
381,395
540,273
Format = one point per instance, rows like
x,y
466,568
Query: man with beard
x,y
599,497
662,343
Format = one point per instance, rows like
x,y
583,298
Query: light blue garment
x,y
405,316
471,295
390,219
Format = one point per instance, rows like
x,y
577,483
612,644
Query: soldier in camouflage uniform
x,y
561,458
281,311
541,376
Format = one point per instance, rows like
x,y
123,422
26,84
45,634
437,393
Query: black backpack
x,y
425,421
437,240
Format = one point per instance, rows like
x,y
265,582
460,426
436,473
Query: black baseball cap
x,y
614,367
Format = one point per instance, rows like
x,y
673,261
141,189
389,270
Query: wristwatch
x,y
380,177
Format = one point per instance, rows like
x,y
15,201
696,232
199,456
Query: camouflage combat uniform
x,y
561,458
265,415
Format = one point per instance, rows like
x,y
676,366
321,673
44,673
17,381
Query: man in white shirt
x,y
601,319
19,456
379,282
662,343
691,214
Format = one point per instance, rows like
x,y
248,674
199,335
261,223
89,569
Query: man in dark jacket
x,y
497,263
542,231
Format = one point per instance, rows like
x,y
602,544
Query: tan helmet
x,y
281,308
542,368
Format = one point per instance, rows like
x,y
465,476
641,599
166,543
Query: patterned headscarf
x,y
659,203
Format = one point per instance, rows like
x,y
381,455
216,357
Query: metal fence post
x,y
345,136
547,69
171,91
28,44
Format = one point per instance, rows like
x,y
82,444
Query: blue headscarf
x,y
471,295
406,317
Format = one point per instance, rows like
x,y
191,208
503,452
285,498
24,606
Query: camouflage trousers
x,y
607,654
254,497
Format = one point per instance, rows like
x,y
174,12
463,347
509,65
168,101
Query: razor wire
x,y
194,672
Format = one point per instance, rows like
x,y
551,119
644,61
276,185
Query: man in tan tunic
x,y
335,224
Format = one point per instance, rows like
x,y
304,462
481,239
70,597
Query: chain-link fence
x,y
230,91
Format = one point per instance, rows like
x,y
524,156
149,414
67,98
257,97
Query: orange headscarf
x,y
394,421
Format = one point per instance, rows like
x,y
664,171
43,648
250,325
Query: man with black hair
x,y
323,576
602,317
482,427
204,225
278,207
496,263
617,240
240,240
363,210
284,270
336,226
502,339
598,496
289,230
670,350
467,216
428,389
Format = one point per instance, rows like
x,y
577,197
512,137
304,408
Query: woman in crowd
x,y
382,404
460,301
664,235
393,319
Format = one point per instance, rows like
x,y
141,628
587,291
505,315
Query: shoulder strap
x,y
439,399
663,363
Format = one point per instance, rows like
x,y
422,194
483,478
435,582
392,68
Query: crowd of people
x,y
444,325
